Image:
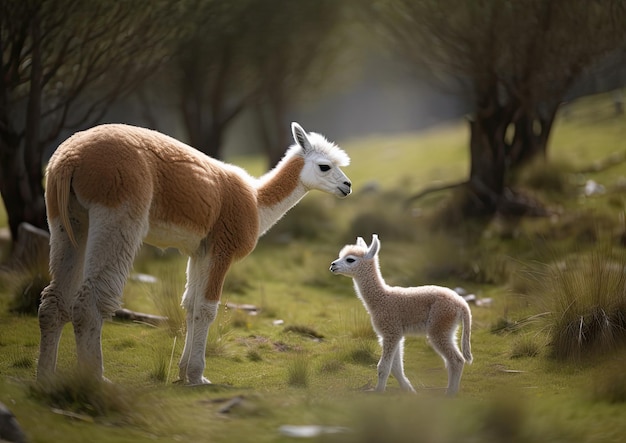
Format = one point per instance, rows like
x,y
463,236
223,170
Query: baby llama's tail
x,y
467,332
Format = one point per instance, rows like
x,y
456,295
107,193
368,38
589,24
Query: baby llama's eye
x,y
350,260
324,168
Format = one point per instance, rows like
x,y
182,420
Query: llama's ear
x,y
300,137
374,247
361,242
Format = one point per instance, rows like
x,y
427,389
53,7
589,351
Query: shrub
x,y
526,346
360,351
588,304
26,286
81,393
298,371
160,369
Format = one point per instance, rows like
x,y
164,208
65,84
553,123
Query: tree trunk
x,y
212,141
530,142
277,115
23,197
488,166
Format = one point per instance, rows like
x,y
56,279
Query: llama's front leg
x,y
397,368
192,363
390,345
201,300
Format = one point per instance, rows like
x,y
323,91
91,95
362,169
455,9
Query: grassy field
x,y
309,355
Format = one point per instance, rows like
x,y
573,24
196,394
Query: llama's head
x,y
322,163
353,257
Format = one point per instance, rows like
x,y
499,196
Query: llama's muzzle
x,y
346,189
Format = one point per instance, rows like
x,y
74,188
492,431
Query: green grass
x,y
309,354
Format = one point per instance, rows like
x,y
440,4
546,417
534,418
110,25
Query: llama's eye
x,y
324,168
350,260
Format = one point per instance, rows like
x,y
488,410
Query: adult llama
x,y
114,186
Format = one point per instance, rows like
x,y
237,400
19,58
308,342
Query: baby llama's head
x,y
354,258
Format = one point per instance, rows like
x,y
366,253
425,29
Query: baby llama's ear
x,y
374,247
361,242
300,137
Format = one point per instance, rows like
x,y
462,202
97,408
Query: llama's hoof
x,y
200,382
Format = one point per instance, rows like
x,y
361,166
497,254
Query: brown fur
x,y
287,177
181,186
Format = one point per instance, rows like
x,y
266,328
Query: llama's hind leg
x,y
390,346
397,368
112,244
445,345
66,269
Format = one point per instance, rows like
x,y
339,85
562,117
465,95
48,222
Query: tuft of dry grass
x,y
26,285
527,345
81,393
588,304
167,301
299,370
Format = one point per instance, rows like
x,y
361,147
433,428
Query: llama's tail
x,y
58,186
466,317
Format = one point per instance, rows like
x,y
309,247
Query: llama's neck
x,y
278,191
370,285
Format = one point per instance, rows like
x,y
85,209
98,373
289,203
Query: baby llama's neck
x,y
278,191
370,284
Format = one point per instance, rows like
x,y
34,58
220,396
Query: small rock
x,y
10,429
470,298
310,431
593,188
484,302
461,291
144,278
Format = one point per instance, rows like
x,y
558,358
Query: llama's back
x,y
149,174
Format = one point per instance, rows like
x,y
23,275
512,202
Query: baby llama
x,y
115,186
395,312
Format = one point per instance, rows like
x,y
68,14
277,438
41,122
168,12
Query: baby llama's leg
x,y
205,279
66,269
397,368
443,339
390,345
113,241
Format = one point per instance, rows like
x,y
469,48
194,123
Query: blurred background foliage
x,y
487,142
228,77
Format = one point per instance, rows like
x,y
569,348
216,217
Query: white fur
x,y
395,312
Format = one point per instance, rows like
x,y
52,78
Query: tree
x,y
244,55
301,42
515,60
63,63
207,76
